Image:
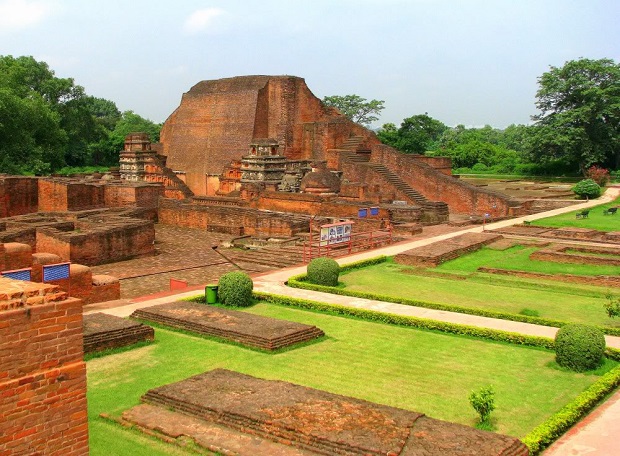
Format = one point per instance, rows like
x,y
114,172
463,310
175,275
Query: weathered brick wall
x,y
16,256
233,220
460,196
18,195
42,373
61,195
93,245
128,195
601,281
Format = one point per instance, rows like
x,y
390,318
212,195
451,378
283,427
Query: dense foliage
x,y
47,122
483,402
323,271
578,126
579,347
587,189
235,289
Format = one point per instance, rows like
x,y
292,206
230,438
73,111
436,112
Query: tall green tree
x,y
356,108
416,134
579,120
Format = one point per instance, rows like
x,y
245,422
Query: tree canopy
x,y
356,108
579,119
416,135
47,122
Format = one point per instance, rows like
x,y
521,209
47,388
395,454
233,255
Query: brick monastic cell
x,y
42,373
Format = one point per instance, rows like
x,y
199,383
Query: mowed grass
x,y
555,300
596,220
425,371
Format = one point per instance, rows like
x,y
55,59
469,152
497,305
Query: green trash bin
x,y
211,294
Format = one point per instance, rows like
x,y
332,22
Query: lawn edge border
x,y
298,281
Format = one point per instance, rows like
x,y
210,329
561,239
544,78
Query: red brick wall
x,y
460,196
234,220
60,195
16,256
42,374
18,195
132,195
100,246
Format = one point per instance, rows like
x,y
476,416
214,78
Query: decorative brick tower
x,y
263,165
136,157
42,371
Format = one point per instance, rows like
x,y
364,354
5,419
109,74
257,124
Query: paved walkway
x,y
594,436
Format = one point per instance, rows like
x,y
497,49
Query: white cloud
x,y
202,20
20,14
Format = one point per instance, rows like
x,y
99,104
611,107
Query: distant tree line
x,y
578,126
47,123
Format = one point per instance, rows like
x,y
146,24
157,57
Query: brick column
x,y
42,372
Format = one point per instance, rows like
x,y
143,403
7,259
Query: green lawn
x,y
596,220
419,370
555,300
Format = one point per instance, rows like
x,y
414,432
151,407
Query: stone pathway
x,y
593,436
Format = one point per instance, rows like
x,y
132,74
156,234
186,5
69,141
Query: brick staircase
x,y
351,152
160,161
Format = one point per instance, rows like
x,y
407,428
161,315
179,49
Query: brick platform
x,y
102,331
247,329
318,421
434,254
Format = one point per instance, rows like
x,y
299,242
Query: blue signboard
x,y
56,271
361,213
18,274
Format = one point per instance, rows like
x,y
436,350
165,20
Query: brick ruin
x,y
315,421
42,373
266,143
252,155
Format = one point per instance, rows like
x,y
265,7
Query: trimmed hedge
x,y
546,433
579,347
404,320
323,271
299,281
541,436
587,188
235,289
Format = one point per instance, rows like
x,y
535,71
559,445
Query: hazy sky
x,y
473,62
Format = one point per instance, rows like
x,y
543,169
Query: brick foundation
x,y
439,252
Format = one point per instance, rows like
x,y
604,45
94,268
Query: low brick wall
x,y
558,254
601,281
103,332
439,252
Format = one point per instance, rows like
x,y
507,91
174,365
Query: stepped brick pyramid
x,y
247,329
102,332
322,422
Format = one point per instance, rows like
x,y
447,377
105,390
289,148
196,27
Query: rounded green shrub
x,y
235,289
323,271
579,347
587,188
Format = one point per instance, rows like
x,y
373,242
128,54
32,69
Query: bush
x,y
323,271
483,402
235,289
599,175
587,188
579,347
